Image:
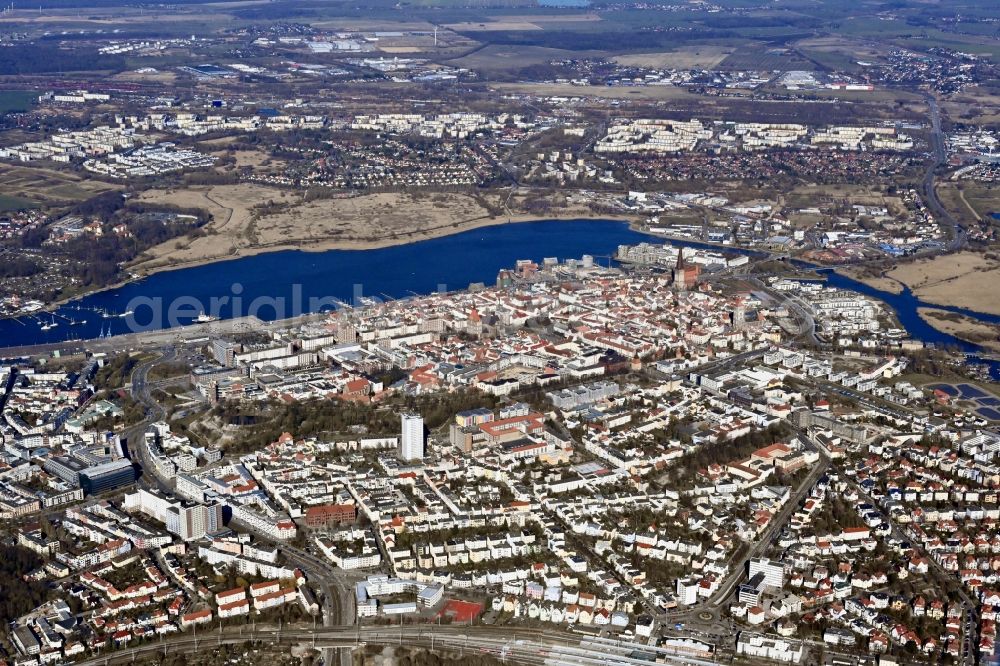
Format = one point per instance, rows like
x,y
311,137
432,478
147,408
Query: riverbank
x,y
959,280
144,269
965,328
277,284
966,280
248,220
147,267
874,280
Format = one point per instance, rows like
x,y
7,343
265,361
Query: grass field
x,y
953,279
495,58
832,51
45,186
807,196
14,101
764,59
691,57
608,92
974,105
970,201
9,203
984,198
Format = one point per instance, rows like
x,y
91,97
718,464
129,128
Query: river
x,y
285,283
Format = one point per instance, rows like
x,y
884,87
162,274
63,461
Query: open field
x,y
974,105
503,57
984,198
962,327
760,58
807,196
159,76
958,280
494,24
954,197
240,227
521,22
970,200
9,203
872,277
375,23
259,160
608,92
853,49
43,186
692,57
16,100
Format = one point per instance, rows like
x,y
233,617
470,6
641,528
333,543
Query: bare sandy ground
x,y
687,58
258,159
962,327
521,22
240,226
965,279
493,25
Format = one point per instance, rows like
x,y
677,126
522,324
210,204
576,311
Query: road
x,y
939,157
134,435
336,595
770,535
801,310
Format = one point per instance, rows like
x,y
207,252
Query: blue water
x,y
564,3
282,284
292,278
905,304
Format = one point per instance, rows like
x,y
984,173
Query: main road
x,y
938,158
134,435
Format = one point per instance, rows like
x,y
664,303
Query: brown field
x,y
256,159
856,49
962,327
953,197
47,186
972,200
608,92
695,57
402,49
503,24
974,105
365,221
360,222
503,57
160,76
388,25
965,279
872,277
220,142
807,196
